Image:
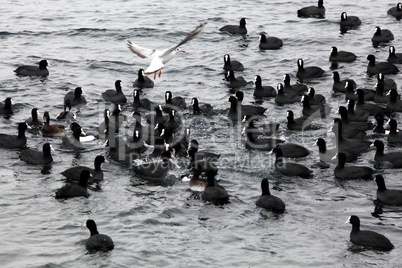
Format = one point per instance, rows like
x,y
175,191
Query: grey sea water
x,y
158,224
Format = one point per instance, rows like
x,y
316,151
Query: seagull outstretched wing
x,y
140,51
160,57
193,34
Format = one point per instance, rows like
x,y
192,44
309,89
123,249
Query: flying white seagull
x,y
160,57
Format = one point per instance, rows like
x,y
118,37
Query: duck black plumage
x,y
380,96
349,21
15,141
396,11
180,145
28,70
301,123
351,93
341,56
232,65
201,162
173,122
394,136
202,108
381,36
236,29
249,109
235,111
116,118
368,239
35,157
328,155
353,115
143,81
156,169
212,192
141,103
116,95
340,85
388,83
120,152
394,104
312,11
178,103
371,108
346,123
380,67
270,42
308,72
355,146
72,141
137,144
34,121
293,89
157,117
97,241
235,82
343,172
314,111
104,126
74,173
75,190
390,159
379,126
202,155
315,99
293,150
66,114
6,107
266,129
262,143
283,98
394,57
159,147
75,98
166,133
261,91
385,196
288,168
268,201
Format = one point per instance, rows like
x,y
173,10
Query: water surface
x,y
156,224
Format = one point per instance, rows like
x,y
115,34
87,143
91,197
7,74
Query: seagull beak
x,y
181,50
